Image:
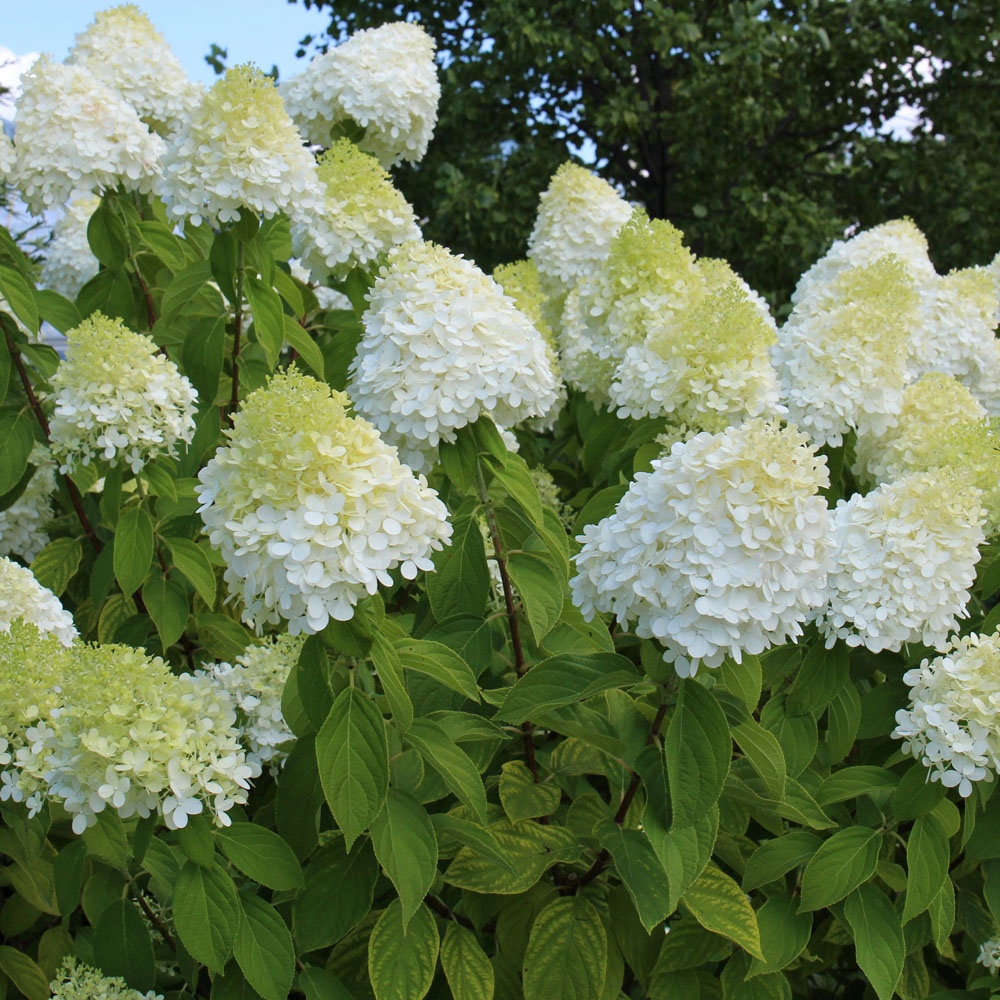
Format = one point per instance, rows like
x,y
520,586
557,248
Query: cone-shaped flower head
x,y
578,216
81,982
721,549
23,525
23,598
255,684
443,344
384,79
69,262
238,149
125,51
904,560
98,727
311,509
76,135
362,215
117,399
941,426
841,358
952,724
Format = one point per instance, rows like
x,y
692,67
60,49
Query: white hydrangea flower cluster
x,y
443,344
384,79
578,216
69,262
238,149
362,216
255,684
311,509
904,560
123,49
841,356
75,135
76,981
952,724
989,955
23,598
98,727
7,156
23,524
723,548
117,399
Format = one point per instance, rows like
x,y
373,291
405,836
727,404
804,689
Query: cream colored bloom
x,y
23,598
989,955
75,981
24,524
69,262
7,155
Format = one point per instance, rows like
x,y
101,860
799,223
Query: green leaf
x,y
303,344
268,316
57,563
942,914
106,236
337,894
640,870
743,679
17,433
784,933
567,953
163,243
927,857
514,477
437,661
451,762
850,782
465,965
261,854
122,946
232,986
69,870
389,668
720,906
167,603
206,914
698,752
20,295
459,460
840,865
762,749
353,758
197,840
202,356
687,946
320,984
300,797
263,948
822,674
191,560
540,589
24,973
461,581
106,840
401,959
133,549
57,310
776,857
522,797
406,848
479,839
878,938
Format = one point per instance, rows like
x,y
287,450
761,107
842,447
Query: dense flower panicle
x,y
98,727
362,215
841,359
952,723
23,525
904,560
69,262
23,598
255,683
443,344
721,549
384,79
125,51
75,981
117,399
7,156
900,237
75,135
578,216
989,955
238,149
311,509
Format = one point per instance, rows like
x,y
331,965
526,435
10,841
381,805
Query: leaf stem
x,y
234,396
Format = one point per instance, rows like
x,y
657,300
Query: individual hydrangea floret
x,y
384,79
255,683
443,344
952,723
96,727
841,357
362,215
722,549
311,509
69,262
23,598
24,524
75,981
239,149
75,135
123,49
989,955
904,560
117,399
578,216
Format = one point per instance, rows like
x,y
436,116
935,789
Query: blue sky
x,y
260,31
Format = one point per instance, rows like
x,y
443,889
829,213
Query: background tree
x,y
752,126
